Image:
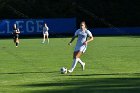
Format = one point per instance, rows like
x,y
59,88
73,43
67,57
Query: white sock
x,y
43,40
48,40
74,64
80,61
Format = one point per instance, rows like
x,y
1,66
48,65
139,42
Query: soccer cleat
x,y
83,66
70,71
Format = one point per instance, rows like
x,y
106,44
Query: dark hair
x,y
83,22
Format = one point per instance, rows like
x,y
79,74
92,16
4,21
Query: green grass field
x,y
112,66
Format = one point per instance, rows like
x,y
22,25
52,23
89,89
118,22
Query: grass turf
x,y
112,66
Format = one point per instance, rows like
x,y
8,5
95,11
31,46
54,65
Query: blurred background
x,y
97,13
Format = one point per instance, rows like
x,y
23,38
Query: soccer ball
x,y
63,70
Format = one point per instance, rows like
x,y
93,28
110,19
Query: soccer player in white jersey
x,y
45,33
81,45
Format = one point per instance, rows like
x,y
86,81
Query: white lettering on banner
x,y
30,24
25,26
8,27
20,26
39,25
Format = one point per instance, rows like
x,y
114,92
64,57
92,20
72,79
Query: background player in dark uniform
x,y
16,33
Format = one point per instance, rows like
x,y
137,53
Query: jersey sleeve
x,y
47,28
76,33
89,33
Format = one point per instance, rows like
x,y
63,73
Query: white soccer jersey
x,y
82,37
45,30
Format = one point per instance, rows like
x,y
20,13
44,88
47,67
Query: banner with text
x,y
35,26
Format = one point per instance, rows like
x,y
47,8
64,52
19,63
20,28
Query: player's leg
x,y
47,37
17,42
43,38
76,58
82,50
79,60
82,63
77,54
74,61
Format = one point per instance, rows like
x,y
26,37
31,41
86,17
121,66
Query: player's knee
x,y
76,56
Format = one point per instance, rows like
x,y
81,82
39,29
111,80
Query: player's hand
x,y
69,44
85,43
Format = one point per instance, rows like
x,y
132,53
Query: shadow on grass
x,y
126,46
134,36
29,72
94,85
133,74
